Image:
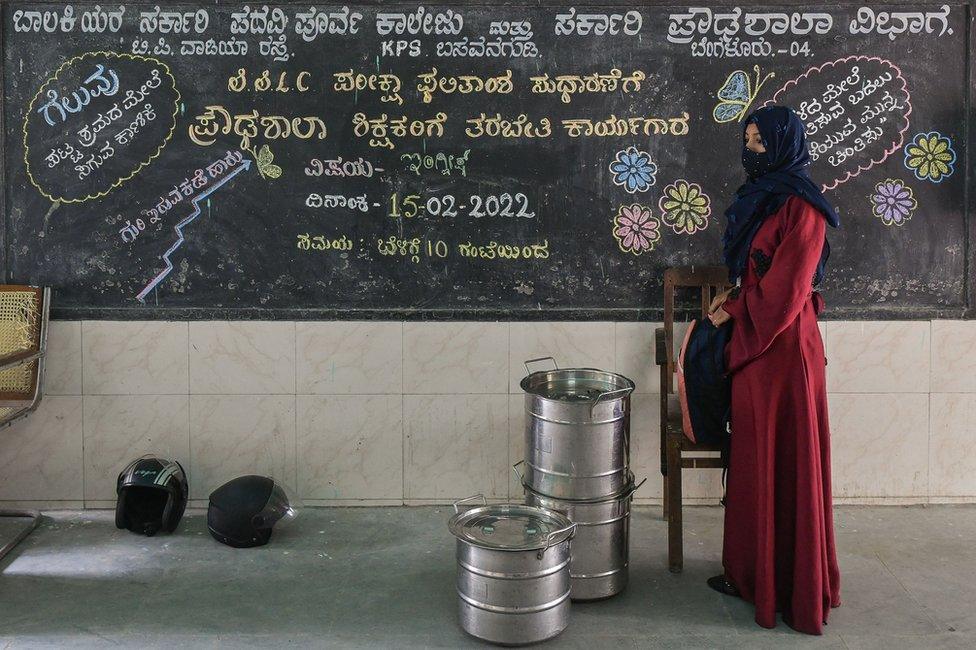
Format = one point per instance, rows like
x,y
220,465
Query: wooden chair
x,y
677,451
24,314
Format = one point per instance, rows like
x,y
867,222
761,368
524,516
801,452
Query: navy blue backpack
x,y
704,390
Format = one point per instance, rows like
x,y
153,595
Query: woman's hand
x,y
719,300
719,316
716,314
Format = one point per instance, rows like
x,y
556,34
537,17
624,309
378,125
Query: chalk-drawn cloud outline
x,y
118,182
895,146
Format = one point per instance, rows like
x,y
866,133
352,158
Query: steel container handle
x,y
613,394
553,534
555,366
471,498
634,488
519,474
610,394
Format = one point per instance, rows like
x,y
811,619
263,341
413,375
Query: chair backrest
x,y
23,342
709,280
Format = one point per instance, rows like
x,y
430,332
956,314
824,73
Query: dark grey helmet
x,y
152,494
243,511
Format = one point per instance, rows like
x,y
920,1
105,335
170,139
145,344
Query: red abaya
x,y
779,537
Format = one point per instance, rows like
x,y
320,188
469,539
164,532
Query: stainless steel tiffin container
x,y
600,559
513,571
577,431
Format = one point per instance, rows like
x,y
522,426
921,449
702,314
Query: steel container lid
x,y
588,386
577,385
511,527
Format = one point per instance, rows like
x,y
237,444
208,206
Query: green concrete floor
x,y
384,578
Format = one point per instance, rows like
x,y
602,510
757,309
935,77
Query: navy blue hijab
x,y
774,176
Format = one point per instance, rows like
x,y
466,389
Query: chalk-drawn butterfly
x,y
737,94
264,159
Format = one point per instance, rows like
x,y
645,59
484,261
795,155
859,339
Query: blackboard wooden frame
x,y
871,312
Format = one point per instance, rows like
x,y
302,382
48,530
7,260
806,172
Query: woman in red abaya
x,y
779,540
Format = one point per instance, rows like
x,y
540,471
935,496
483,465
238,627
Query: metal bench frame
x,y
24,407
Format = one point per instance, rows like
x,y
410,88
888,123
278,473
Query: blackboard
x,y
466,160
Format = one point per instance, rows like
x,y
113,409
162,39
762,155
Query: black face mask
x,y
756,164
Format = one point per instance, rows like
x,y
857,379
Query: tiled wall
x,y
389,413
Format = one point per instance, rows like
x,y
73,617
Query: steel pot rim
x,y
624,493
621,386
565,528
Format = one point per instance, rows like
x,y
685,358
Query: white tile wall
x,y
134,358
953,356
119,428
387,412
62,367
878,357
634,355
41,455
350,447
455,445
242,358
879,444
231,435
441,358
952,445
350,358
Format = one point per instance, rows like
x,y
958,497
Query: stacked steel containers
x,y
577,462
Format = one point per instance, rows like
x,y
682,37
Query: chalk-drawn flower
x,y
633,170
636,229
894,202
685,207
930,156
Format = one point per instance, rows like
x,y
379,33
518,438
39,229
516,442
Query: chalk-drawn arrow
x,y
179,229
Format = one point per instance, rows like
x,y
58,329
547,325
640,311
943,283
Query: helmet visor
x,y
281,508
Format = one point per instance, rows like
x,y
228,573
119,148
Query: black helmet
x,y
152,495
243,511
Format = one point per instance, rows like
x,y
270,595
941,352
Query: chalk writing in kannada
x,y
494,250
357,82
339,167
98,83
411,249
420,22
614,126
156,21
264,82
496,126
895,23
568,85
429,83
382,129
308,242
572,24
448,164
734,33
96,122
217,120
314,23
356,203
855,110
232,164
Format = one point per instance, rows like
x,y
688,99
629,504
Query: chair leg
x,y
35,518
665,501
675,542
